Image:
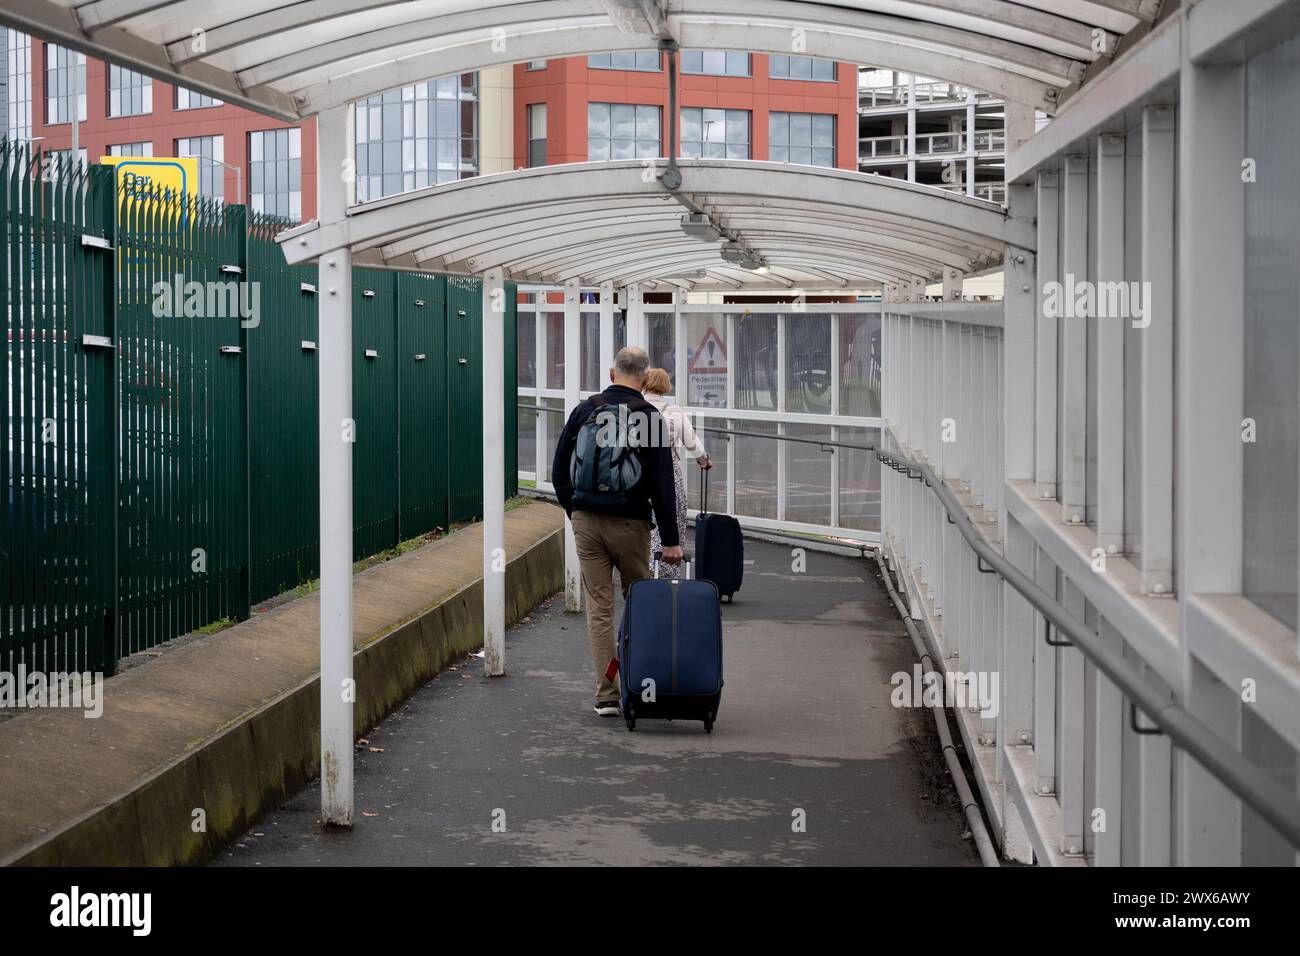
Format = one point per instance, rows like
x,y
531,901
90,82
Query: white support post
x,y
970,143
1019,307
680,372
542,360
911,128
494,478
1157,352
1045,357
1210,348
1046,661
337,432
1108,715
636,325
1074,344
606,334
1070,733
1110,332
572,383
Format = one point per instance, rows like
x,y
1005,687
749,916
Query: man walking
x,y
610,468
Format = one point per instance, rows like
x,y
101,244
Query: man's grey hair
x,y
631,362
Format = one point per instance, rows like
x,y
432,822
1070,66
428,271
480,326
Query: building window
x,y
193,100
58,84
806,138
536,65
800,68
275,172
715,63
131,149
715,134
129,93
417,136
644,60
19,93
537,134
622,131
211,152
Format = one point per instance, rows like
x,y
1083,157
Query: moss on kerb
x,y
249,768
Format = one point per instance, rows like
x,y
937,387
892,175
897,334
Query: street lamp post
x,y
239,177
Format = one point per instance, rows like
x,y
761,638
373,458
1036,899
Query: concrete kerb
x,y
280,739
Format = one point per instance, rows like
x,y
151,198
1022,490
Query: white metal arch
x,y
294,59
601,221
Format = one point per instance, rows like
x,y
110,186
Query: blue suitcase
x,y
670,652
719,547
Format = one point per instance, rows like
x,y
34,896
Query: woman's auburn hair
x,y
657,381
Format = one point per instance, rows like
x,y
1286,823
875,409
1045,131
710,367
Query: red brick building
x,y
568,87
170,124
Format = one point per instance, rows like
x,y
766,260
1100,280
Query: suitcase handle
x,y
704,492
657,556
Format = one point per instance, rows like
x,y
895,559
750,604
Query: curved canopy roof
x,y
806,227
293,58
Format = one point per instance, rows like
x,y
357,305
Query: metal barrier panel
x,y
465,397
162,427
284,403
182,492
422,370
57,470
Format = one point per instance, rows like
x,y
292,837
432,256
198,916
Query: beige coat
x,y
685,442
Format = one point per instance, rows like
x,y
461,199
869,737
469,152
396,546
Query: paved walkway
x,y
805,724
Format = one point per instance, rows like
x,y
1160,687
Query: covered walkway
x,y
806,724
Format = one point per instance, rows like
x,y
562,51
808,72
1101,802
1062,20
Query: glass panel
x,y
554,349
808,363
756,470
807,475
528,437
860,365
778,67
554,425
526,360
706,360
756,368
1271,465
663,344
859,480
593,376
715,62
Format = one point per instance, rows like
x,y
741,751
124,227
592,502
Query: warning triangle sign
x,y
711,356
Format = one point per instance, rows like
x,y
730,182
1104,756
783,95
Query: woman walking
x,y
685,444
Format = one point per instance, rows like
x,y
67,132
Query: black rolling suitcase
x,y
719,547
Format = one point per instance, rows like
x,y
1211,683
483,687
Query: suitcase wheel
x,y
708,722
631,719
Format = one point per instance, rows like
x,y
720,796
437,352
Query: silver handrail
x,y
1255,788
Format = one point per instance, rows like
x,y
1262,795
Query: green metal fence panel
x,y
374,411
182,499
162,461
283,363
422,412
54,615
465,397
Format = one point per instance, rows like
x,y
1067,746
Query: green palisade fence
x,y
162,435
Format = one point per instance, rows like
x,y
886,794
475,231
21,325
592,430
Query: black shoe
x,y
607,708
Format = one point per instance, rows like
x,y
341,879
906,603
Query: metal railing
x,y
1251,784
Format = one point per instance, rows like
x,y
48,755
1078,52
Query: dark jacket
x,y
656,487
